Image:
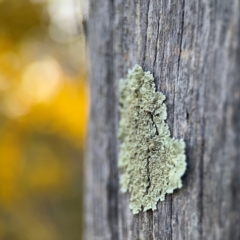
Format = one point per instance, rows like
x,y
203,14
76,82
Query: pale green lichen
x,y
152,162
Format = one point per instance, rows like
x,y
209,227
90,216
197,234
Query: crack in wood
x,y
145,45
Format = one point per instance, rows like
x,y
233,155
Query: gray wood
x,y
193,50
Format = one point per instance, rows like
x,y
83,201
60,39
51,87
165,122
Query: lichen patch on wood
x,y
152,162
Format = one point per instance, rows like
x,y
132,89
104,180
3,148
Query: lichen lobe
x,y
152,162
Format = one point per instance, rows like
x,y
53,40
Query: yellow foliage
x,y
10,167
42,98
43,121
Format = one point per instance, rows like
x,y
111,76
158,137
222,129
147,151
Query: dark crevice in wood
x,y
155,55
145,45
235,186
187,116
162,59
148,174
201,185
149,214
180,51
121,29
223,134
112,184
154,124
181,38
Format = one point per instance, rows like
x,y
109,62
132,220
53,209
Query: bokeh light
x,y
43,119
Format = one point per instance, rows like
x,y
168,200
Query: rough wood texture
x,y
193,50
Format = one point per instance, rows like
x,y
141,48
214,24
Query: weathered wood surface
x,y
193,50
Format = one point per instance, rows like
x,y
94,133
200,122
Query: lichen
x,y
152,162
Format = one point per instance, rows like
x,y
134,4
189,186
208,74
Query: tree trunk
x,y
193,50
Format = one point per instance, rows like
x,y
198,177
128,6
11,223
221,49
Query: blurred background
x,y
43,116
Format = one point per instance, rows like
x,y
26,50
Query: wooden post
x,y
193,50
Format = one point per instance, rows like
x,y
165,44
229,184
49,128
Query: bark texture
x,y
193,50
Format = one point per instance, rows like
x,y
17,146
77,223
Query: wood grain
x,y
193,50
